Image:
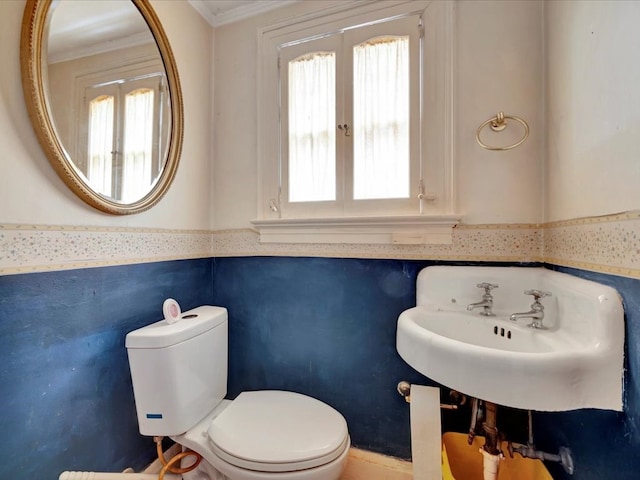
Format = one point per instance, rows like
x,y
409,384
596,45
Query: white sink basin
x,y
576,361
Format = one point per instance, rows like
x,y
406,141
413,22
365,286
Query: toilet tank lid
x,y
163,334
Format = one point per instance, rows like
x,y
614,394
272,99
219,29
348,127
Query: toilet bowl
x,y
270,435
179,374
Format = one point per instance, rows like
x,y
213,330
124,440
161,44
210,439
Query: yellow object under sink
x,y
461,461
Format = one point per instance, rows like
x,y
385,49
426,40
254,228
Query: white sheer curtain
x,y
381,118
312,128
138,144
100,144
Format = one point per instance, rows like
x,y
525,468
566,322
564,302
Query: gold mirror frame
x,y
34,27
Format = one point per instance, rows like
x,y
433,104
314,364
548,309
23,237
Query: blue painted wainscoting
x,y
327,328
605,444
66,394
319,326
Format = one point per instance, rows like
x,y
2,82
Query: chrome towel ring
x,y
498,124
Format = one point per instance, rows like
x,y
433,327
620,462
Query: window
x,y
123,121
348,102
354,115
381,118
311,126
100,139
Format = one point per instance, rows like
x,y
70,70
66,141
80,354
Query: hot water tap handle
x,y
537,294
487,286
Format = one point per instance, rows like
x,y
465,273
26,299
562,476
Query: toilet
x,y
179,374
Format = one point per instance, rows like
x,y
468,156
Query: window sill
x,y
397,230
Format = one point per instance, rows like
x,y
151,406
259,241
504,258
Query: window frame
x,y
324,207
435,194
120,81
363,207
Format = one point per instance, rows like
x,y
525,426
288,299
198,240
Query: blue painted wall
x,y
66,398
324,327
605,444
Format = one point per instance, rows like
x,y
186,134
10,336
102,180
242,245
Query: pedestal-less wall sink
x,y
574,361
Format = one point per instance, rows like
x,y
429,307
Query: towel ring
x,y
498,124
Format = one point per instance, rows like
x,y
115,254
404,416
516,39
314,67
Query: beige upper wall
x,y
498,67
31,192
591,100
593,108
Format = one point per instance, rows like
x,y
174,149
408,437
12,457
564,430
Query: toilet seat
x,y
277,431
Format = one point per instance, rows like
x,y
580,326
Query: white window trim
x,y
434,224
400,230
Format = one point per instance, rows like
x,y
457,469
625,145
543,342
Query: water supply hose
x,y
167,466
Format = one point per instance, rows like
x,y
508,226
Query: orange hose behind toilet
x,y
168,466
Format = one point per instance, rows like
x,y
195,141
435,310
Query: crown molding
x,y
205,8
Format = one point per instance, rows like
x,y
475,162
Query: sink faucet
x,y
487,300
536,314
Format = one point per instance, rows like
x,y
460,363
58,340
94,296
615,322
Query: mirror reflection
x,y
108,96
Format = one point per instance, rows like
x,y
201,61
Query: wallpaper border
x,y
507,243
607,244
38,248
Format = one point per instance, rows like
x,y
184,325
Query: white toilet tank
x,y
179,370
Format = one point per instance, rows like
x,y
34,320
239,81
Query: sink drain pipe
x,y
491,454
490,451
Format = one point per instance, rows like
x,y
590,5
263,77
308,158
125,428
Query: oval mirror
x,y
103,93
